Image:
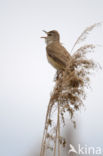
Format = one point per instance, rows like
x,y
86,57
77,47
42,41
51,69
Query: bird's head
x,y
51,37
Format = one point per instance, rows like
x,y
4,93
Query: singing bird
x,y
57,55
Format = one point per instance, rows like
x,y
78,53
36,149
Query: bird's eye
x,y
49,34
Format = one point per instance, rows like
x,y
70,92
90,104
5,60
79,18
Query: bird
x,y
57,54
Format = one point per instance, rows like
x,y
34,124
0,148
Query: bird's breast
x,y
54,63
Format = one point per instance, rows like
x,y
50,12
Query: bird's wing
x,y
58,53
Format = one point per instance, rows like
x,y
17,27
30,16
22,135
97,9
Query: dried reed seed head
x,y
69,90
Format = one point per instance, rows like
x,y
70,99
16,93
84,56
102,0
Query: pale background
x,y
26,78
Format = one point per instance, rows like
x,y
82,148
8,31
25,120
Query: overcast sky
x,y
26,78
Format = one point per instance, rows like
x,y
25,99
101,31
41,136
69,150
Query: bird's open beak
x,y
45,33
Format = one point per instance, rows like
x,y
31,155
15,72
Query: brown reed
x,y
68,94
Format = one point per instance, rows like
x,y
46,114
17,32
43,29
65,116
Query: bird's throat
x,y
48,42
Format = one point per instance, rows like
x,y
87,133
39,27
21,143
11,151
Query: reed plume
x,y
68,95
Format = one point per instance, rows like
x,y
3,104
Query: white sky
x,y
26,78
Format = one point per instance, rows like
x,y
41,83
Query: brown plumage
x,y
57,55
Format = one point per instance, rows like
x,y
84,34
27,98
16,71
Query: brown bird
x,y
57,55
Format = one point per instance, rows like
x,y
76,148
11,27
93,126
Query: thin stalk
x,y
57,136
55,142
42,152
58,127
